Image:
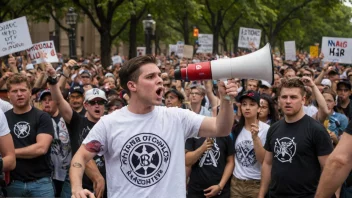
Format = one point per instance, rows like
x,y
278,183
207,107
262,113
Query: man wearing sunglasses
x,y
78,128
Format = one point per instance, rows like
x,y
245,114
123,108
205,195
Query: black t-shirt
x,y
78,129
82,112
208,170
296,146
24,130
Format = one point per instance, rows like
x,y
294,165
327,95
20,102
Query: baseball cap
x,y
345,82
326,82
43,94
109,75
94,93
251,95
84,72
265,84
76,89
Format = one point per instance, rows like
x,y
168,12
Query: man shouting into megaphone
x,y
143,143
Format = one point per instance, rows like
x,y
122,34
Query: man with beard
x,y
78,128
32,133
60,147
296,148
75,99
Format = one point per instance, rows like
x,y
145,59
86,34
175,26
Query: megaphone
x,y
257,65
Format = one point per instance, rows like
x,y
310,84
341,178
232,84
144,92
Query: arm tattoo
x,y
77,165
94,146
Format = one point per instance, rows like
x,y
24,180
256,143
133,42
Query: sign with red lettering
x,y
337,49
14,36
47,49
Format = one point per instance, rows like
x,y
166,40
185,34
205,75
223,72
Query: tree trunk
x,y
216,41
105,47
132,51
186,29
224,43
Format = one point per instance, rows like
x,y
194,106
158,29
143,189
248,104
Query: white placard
x,y
249,35
172,48
205,43
48,50
179,51
337,49
290,50
14,36
141,51
116,59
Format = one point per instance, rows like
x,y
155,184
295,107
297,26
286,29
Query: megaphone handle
x,y
227,97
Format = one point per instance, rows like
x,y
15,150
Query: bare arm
x,y
78,164
40,148
323,110
7,152
214,101
95,176
193,156
230,165
337,168
259,149
64,108
266,174
39,81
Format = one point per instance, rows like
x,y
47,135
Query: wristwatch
x,y
52,80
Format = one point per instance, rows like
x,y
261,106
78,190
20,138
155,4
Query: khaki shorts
x,y
244,188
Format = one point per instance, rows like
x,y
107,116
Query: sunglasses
x,y
85,77
99,102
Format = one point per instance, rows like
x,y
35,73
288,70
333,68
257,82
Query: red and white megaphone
x,y
256,65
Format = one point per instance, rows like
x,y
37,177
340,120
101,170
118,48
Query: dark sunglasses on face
x,y
84,76
94,102
343,90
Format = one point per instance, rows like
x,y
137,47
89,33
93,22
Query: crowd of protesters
x,y
282,132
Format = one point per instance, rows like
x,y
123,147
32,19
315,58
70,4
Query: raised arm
x,y
64,107
221,125
266,174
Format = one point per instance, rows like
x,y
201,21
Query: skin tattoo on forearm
x,y
77,165
94,146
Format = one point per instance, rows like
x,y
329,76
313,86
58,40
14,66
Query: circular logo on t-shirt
x,y
245,153
145,159
21,129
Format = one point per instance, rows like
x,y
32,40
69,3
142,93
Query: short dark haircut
x,y
292,83
17,79
130,70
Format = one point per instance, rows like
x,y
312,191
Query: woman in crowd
x,y
267,112
249,137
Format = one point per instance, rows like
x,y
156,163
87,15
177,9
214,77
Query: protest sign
x,y
14,36
290,50
116,59
337,49
313,51
187,51
179,51
47,49
172,48
205,42
141,51
249,35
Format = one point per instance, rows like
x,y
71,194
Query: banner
x,y
14,36
290,50
47,48
187,51
205,42
249,35
313,51
337,49
116,60
172,48
141,51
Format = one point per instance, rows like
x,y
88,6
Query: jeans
x,y
66,189
39,188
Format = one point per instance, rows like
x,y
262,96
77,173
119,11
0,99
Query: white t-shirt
x,y
246,163
145,154
4,127
5,106
310,110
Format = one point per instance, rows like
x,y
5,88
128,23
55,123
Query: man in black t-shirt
x,y
76,98
343,89
78,128
296,148
212,163
32,133
337,167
